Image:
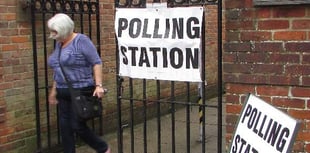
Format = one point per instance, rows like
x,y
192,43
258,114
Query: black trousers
x,y
70,125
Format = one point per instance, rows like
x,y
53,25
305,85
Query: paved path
x,y
180,134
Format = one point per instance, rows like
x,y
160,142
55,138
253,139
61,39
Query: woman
x,y
83,67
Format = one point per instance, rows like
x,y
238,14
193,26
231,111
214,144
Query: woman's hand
x,y
52,97
99,92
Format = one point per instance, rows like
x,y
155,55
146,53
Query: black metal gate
x,y
136,105
85,13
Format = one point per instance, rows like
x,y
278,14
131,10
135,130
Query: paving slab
x,y
166,134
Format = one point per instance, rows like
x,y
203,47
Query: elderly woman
x,y
83,67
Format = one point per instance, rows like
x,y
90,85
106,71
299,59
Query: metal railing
x,y
86,17
132,98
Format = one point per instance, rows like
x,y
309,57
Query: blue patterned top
x,y
77,60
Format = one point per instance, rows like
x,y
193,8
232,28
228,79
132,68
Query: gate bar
x,y
172,109
219,78
46,83
132,140
144,117
158,117
188,129
35,77
203,83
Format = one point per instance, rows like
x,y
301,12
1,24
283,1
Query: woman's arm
x,y
52,95
99,91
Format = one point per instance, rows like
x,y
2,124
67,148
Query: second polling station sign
x,y
159,43
263,128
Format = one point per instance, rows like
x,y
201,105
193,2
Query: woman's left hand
x,y
99,92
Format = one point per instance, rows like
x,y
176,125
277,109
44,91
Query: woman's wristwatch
x,y
104,89
99,85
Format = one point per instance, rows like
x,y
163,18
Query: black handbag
x,y
84,106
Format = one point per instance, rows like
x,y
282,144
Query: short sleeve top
x,y
77,60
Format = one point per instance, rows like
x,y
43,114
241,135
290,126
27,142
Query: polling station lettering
x,y
160,43
173,28
137,27
265,128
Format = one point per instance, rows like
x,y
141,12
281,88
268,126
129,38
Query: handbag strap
x,y
63,71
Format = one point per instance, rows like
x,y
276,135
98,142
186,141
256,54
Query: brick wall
x,y
17,118
267,53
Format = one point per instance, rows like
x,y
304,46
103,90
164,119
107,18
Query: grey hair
x,y
62,24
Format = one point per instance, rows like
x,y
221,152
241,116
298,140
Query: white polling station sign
x,y
159,43
263,128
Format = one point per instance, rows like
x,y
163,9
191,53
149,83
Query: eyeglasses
x,y
53,31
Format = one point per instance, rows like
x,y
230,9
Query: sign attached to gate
x,y
263,128
159,43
